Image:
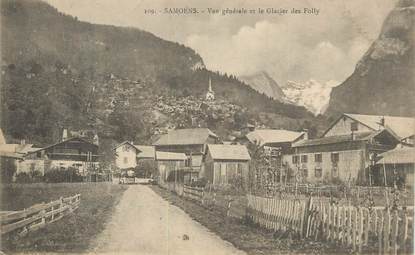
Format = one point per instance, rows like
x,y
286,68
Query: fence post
x,y
395,226
386,235
405,232
306,216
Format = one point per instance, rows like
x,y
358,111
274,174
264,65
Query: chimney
x,y
305,136
64,134
382,121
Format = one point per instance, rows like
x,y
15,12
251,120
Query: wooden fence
x,y
37,216
194,193
231,206
278,214
358,227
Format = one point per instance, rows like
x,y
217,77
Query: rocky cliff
x,y
383,81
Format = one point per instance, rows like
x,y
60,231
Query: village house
x,y
347,150
276,144
126,155
169,165
191,142
396,167
225,164
74,152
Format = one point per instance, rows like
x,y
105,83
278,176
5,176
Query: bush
x,y
31,177
64,175
23,178
8,169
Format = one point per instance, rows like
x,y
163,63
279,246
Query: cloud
x,y
325,47
291,47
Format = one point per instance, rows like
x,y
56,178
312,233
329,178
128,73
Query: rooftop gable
x,y
360,136
401,126
146,151
228,152
268,136
129,143
172,156
191,136
404,155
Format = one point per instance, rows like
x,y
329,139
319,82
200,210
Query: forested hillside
x,y
60,72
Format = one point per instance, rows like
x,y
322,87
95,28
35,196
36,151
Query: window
x,y
126,148
125,160
188,162
305,172
318,173
335,157
295,159
304,158
318,158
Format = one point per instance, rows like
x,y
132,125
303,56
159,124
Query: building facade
x,y
74,153
191,142
226,164
340,155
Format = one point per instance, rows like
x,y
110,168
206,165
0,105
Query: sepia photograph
x,y
170,127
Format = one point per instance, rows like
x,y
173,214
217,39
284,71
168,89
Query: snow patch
x,y
311,94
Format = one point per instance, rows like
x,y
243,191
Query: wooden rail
x,y
37,216
194,193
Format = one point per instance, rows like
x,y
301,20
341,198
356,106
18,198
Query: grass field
x,y
70,234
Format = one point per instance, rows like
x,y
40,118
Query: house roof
x,y
405,155
67,140
126,142
228,152
161,155
360,136
402,126
7,154
145,151
16,148
267,136
185,137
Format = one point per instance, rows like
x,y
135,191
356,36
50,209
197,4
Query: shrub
x,y
63,175
23,178
29,177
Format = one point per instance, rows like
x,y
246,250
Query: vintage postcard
x,y
207,127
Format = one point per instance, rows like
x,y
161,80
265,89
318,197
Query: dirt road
x,y
144,223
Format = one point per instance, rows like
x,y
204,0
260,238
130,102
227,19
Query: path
x,y
144,223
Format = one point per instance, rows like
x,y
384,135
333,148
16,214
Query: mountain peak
x,y
264,83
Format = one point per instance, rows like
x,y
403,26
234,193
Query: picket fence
x,y
358,227
349,226
278,214
37,216
230,206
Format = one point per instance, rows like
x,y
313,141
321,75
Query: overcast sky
x,y
323,47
